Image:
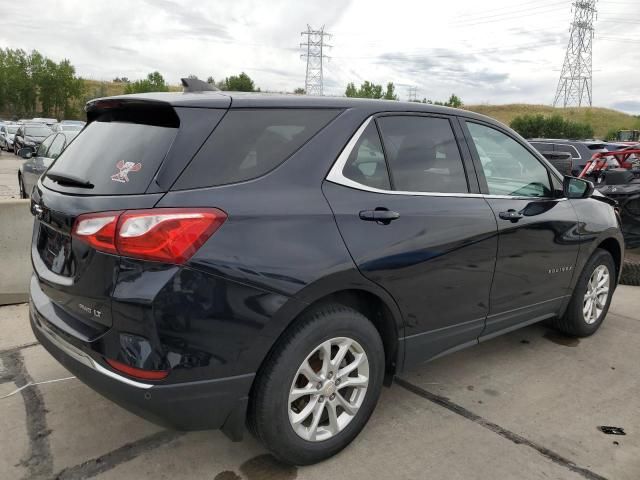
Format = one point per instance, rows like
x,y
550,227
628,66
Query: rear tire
x,y
631,271
591,297
23,194
283,418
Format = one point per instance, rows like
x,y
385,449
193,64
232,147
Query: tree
x,y
539,126
153,83
390,93
299,91
31,81
454,101
239,83
371,90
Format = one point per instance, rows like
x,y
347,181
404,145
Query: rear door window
x,y
56,147
44,146
423,154
366,164
559,147
118,158
542,147
249,143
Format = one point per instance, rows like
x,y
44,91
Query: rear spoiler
x,y
132,110
196,85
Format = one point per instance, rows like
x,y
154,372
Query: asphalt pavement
x,y
527,405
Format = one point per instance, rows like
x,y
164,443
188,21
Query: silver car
x,y
7,132
36,163
68,127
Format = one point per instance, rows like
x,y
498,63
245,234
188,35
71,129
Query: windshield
x,y
71,128
12,130
37,131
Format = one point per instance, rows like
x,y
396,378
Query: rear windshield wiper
x,y
69,180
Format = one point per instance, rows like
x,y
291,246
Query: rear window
x,y
118,158
249,143
37,131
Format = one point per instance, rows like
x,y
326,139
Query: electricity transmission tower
x,y
413,94
574,86
315,46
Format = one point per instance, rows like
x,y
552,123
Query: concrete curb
x,y
16,225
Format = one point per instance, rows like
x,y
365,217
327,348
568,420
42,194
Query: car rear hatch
x,y
125,159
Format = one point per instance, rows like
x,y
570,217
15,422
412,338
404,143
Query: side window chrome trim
x,y
335,174
579,157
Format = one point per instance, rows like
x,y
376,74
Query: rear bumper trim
x,y
85,359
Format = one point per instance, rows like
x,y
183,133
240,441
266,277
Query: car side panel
x,y
436,261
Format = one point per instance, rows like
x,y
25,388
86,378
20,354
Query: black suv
x,y
206,259
581,150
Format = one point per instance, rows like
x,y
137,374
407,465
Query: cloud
x,y
630,106
443,65
422,44
129,51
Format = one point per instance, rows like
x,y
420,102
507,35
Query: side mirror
x,y
573,187
25,153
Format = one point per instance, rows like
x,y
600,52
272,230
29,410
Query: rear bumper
x,y
207,404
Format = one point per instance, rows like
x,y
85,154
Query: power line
x,y
500,9
537,10
315,56
574,85
516,11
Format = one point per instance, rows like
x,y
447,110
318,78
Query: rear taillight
x,y
137,372
170,235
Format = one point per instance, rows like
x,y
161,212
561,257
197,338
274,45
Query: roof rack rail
x,y
196,85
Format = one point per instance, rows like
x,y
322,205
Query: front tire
x,y
591,297
316,391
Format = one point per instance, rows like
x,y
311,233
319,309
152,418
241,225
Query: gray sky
x,y
494,51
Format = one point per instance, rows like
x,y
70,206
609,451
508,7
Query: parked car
x,y
30,135
36,163
581,150
50,122
206,259
67,127
7,134
613,146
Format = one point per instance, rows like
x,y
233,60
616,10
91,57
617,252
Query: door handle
x,y
380,215
511,215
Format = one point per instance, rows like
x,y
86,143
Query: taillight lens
x,y
168,235
98,230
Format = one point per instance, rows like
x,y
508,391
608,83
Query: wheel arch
x,y
351,289
612,246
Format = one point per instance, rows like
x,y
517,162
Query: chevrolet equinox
x,y
212,259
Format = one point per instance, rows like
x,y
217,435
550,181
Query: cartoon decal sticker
x,y
125,168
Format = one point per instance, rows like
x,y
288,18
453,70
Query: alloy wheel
x,y
595,299
328,389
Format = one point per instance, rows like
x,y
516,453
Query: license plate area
x,y
54,248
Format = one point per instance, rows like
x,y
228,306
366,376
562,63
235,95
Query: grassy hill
x,y
602,119
115,88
